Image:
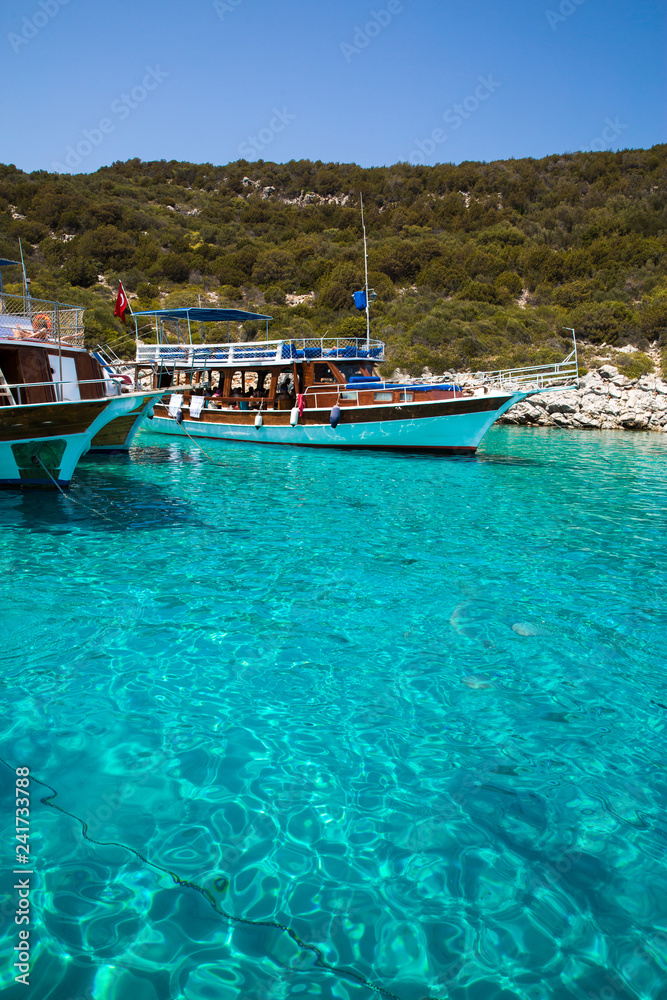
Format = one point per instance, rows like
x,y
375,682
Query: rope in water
x,y
186,431
208,896
67,495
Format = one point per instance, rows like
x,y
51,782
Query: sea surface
x,y
326,724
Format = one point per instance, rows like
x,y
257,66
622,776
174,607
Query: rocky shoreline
x,y
604,400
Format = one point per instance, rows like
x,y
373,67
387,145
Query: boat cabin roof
x,y
201,314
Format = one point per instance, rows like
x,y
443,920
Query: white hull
x,y
457,432
14,474
60,450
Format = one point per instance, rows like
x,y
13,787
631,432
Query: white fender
x,y
294,416
258,421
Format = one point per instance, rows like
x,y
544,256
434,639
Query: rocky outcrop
x,y
604,400
304,198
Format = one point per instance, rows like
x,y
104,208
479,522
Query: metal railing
x,y
535,378
326,396
561,374
25,318
260,352
115,367
16,390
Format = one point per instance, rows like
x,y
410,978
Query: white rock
x,y
637,399
634,421
562,406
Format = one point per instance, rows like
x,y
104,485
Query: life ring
x,y
41,323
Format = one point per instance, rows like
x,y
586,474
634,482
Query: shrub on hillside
x,y
635,365
602,322
275,295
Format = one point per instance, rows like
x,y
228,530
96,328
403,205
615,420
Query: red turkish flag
x,y
121,302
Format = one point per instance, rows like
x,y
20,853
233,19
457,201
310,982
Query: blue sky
x,y
356,81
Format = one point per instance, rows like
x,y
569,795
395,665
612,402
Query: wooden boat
x,y
317,392
55,399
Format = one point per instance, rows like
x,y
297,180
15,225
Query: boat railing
x,y
383,392
560,375
115,366
112,388
184,355
25,318
535,378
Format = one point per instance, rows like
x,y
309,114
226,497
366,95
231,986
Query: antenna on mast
x,y
26,283
368,315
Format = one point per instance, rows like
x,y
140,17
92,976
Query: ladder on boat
x,y
6,398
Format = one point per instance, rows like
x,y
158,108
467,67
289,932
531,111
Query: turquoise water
x,y
342,726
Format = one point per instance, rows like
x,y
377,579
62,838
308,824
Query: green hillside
x,y
478,265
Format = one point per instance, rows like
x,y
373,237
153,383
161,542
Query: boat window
x,y
323,373
384,397
350,368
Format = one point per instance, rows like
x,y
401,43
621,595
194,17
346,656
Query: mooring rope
x,y
208,896
186,431
68,496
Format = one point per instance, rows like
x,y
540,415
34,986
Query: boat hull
x,y
454,426
119,433
41,444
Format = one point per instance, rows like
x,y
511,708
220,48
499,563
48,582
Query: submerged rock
x,y
526,628
477,683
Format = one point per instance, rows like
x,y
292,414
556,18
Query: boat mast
x,y
26,284
368,316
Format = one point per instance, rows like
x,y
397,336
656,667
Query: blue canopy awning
x,y
5,263
203,314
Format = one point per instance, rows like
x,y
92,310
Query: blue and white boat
x,y
320,393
